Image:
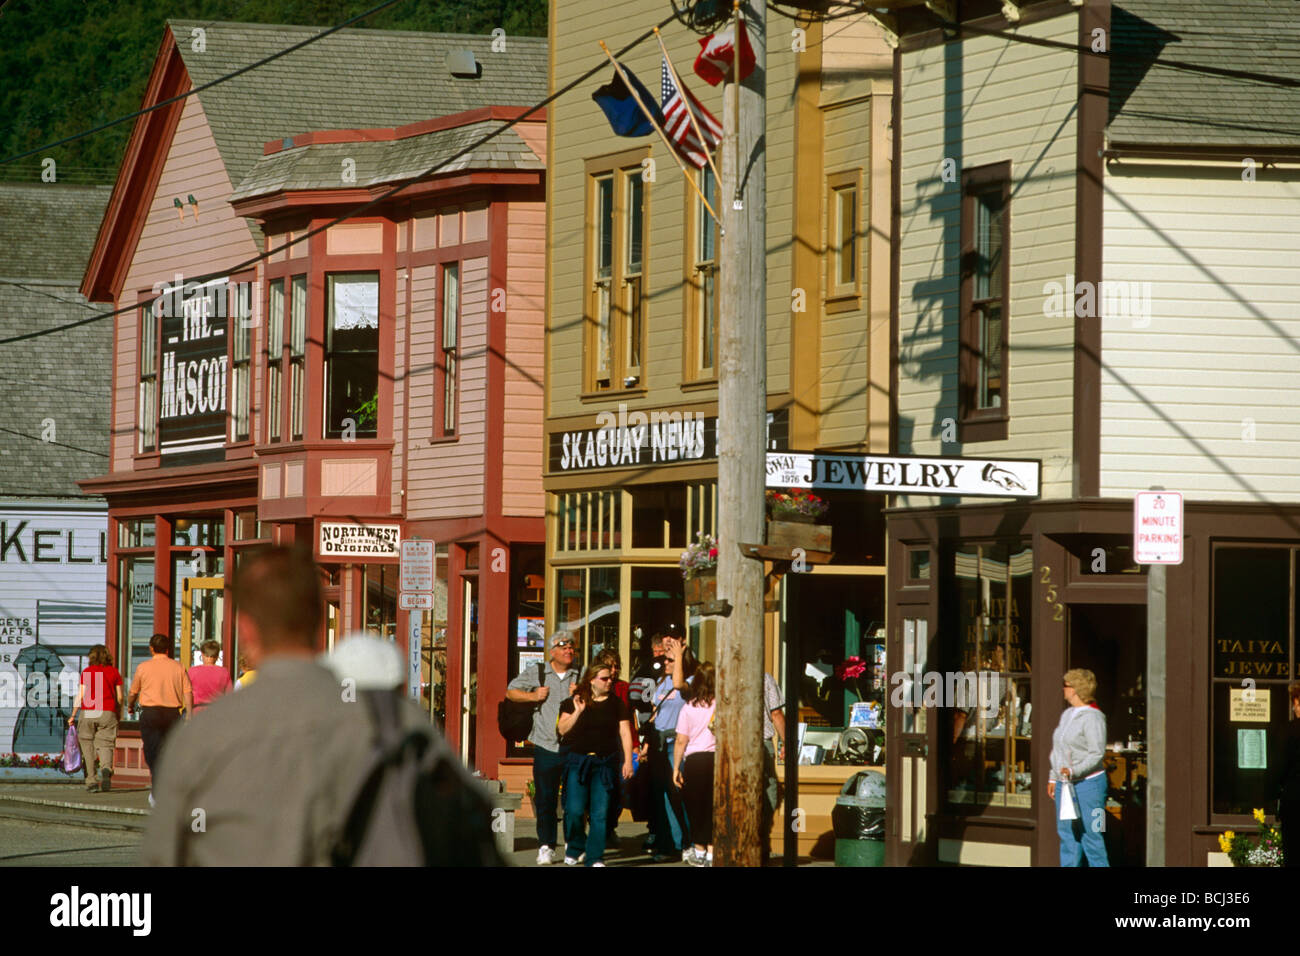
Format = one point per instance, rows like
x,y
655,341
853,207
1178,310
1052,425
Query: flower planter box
x,y
37,775
702,589
799,534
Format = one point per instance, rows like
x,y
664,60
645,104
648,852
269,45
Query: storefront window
x,y
434,642
135,609
992,716
379,594
205,612
588,604
135,533
589,521
247,527
528,587
659,516
199,532
658,599
1252,652
828,622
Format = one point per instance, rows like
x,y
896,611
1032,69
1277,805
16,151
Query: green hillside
x,y
69,65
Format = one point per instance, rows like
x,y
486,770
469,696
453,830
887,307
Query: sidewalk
x,y
128,809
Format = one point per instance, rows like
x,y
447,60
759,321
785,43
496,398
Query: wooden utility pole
x,y
742,425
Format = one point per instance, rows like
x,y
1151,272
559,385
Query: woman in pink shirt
x,y
208,680
694,774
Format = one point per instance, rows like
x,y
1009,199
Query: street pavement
x,y
63,825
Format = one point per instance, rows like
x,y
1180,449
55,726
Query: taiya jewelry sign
x,y
905,474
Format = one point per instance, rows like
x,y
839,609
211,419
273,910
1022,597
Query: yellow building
x,y
631,390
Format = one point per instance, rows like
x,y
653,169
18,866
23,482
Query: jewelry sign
x,y
906,474
193,374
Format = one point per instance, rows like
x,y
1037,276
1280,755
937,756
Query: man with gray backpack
x,y
545,688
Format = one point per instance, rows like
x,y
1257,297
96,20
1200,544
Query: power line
x,y
86,451
221,79
378,200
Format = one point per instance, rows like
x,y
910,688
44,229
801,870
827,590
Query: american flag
x,y
677,123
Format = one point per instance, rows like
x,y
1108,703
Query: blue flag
x,y
615,99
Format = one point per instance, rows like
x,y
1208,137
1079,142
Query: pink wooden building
x,y
379,381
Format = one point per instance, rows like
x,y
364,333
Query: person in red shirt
x,y
208,680
99,701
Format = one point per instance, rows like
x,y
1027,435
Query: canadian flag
x,y
717,56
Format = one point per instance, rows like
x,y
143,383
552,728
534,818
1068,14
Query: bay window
x,y
352,355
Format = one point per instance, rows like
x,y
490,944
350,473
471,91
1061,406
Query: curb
x,y
70,805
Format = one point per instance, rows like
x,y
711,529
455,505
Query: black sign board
x,y
193,373
638,439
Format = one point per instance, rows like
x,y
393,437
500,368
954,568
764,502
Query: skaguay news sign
x,y
193,375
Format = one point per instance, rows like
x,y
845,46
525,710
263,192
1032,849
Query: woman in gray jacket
x,y
1078,746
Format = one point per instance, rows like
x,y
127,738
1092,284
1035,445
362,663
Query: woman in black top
x,y
596,728
1289,805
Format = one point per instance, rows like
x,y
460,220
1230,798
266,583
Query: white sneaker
x,y
688,854
545,856
570,861
594,865
151,803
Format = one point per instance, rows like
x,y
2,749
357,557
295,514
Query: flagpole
x,y
695,124
662,135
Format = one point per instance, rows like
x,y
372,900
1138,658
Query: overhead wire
x,y
353,213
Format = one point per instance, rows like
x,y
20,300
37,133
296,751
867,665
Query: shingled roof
x,y
1155,105
46,232
352,79
378,163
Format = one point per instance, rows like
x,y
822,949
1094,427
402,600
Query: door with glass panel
x,y
202,607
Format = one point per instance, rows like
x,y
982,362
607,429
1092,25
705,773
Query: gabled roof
x,y
349,80
352,79
46,232
1153,105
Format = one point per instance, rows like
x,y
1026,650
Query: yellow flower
x,y
1225,841
1259,815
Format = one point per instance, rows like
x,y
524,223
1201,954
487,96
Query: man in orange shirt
x,y
162,688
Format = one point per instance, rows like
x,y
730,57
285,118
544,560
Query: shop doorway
x,y
202,608
1110,640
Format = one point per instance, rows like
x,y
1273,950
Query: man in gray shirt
x,y
264,777
548,758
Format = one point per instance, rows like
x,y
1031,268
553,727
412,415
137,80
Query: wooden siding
x,y
844,334
396,494
521,474
445,480
983,101
579,132
169,245
1199,395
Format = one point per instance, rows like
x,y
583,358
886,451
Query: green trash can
x,y
858,819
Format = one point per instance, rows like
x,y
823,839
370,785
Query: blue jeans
x,y
1084,836
548,766
671,828
589,784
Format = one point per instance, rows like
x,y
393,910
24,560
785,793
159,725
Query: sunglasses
x,y
605,678
563,644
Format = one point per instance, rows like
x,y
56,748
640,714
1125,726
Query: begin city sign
x,y
906,474
1158,527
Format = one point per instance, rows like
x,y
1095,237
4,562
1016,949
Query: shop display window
x,y
135,609
199,532
589,521
659,516
1252,653
989,692
379,599
205,610
588,602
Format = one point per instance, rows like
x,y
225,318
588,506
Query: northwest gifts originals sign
x,y
340,539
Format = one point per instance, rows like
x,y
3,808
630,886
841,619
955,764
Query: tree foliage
x,y
69,65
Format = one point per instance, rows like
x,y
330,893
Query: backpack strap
x,y
541,673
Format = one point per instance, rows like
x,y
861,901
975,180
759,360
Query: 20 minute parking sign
x,y
1158,527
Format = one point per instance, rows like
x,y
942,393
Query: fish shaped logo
x,y
1002,478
